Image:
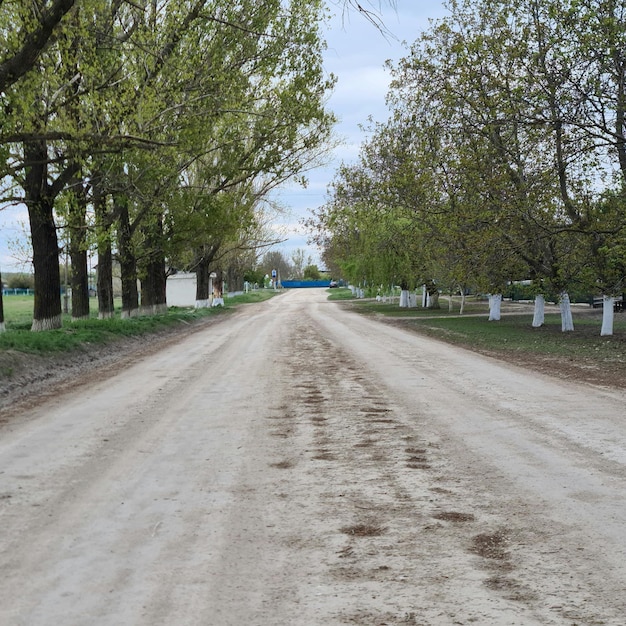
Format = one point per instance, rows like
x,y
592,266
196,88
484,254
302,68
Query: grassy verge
x,y
393,309
260,295
80,334
513,338
339,293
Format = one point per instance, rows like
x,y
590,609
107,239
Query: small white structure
x,y
180,290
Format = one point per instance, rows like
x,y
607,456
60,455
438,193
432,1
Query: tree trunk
x,y
204,257
234,281
153,286
47,305
218,289
433,298
608,303
2,326
495,303
79,277
153,277
539,315
203,297
128,262
404,298
79,282
104,285
462,309
567,323
433,295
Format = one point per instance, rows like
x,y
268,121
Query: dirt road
x,y
299,465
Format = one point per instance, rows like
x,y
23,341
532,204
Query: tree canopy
x,y
503,158
153,132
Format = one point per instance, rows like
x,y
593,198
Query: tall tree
x,y
26,29
276,260
156,88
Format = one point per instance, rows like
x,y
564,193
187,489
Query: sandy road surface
x,y
300,465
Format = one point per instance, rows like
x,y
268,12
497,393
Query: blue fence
x,y
17,292
296,284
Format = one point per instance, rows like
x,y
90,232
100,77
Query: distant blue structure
x,y
17,292
297,284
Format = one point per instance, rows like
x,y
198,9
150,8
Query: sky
x,y
356,54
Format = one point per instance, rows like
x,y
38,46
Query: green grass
x,y
513,337
339,293
18,309
77,335
83,333
515,334
260,295
393,309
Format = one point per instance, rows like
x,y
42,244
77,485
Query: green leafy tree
x,y
311,272
26,29
155,89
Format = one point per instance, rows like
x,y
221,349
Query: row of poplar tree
x,y
151,131
504,157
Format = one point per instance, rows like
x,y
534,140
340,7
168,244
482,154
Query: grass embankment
x,y
339,293
74,335
513,337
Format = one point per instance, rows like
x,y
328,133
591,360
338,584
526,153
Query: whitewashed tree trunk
x,y
495,304
412,300
424,297
540,311
203,304
450,303
128,314
50,323
608,302
567,323
462,309
153,309
2,327
404,299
